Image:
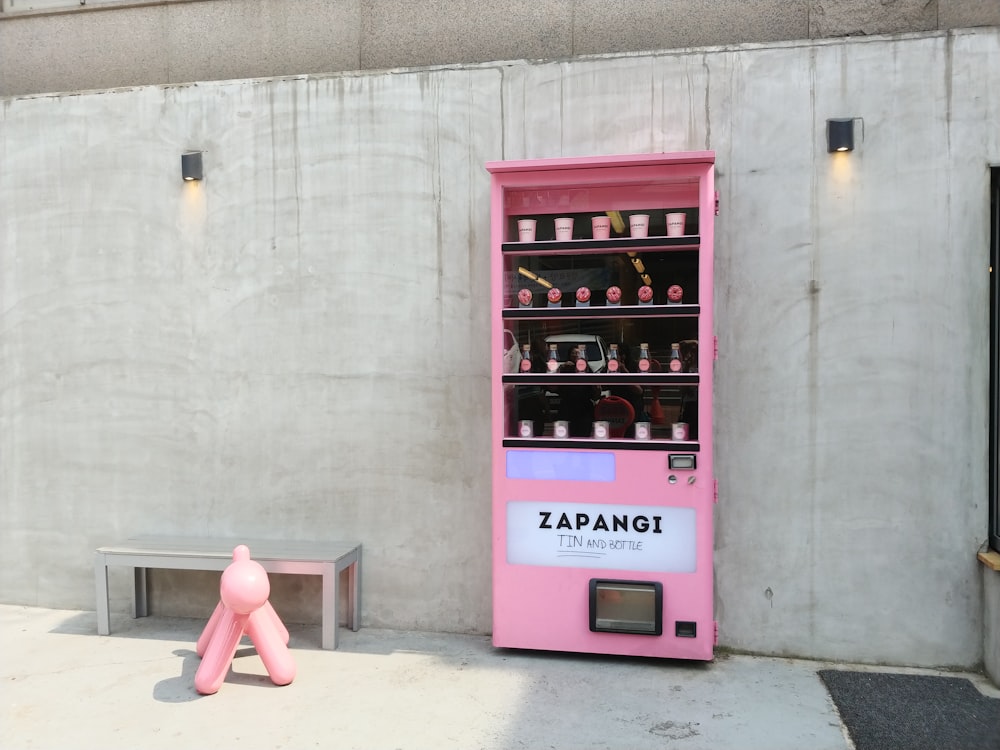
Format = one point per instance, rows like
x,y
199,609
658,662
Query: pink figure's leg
x,y
270,647
220,652
278,624
206,634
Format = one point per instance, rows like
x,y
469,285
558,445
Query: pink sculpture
x,y
243,609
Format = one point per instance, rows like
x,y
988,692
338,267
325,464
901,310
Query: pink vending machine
x,y
603,343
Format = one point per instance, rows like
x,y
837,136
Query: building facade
x,y
297,345
72,45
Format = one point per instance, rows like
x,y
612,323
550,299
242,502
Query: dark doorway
x,y
994,359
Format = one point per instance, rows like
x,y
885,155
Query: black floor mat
x,y
913,712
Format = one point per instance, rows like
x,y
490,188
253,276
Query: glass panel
x,y
606,303
628,271
649,194
626,607
622,406
583,224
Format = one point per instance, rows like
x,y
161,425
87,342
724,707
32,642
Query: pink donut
x,y
582,294
614,294
554,294
524,296
675,293
645,294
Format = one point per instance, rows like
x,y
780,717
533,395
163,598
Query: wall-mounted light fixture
x,y
840,134
191,166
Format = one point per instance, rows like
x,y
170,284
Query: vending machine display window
x,y
603,487
626,607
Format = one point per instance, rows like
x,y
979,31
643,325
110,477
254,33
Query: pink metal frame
x,y
547,607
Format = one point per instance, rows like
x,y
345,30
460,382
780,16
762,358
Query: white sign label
x,y
611,537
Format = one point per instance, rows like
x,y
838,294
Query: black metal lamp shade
x,y
191,166
840,134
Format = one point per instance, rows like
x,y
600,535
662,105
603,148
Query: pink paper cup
x,y
564,228
675,225
526,230
638,225
601,227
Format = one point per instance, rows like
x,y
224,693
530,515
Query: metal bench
x,y
326,559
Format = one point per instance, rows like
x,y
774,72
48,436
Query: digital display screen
x,y
581,466
682,461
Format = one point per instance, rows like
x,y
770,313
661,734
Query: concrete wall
x,y
298,345
112,44
295,346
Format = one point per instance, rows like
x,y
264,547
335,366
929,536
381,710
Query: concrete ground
x,y
62,686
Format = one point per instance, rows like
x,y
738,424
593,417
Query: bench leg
x,y
140,605
331,600
103,604
354,594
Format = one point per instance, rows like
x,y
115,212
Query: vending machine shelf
x,y
604,379
601,312
602,444
585,246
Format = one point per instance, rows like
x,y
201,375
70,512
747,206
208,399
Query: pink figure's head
x,y
244,587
